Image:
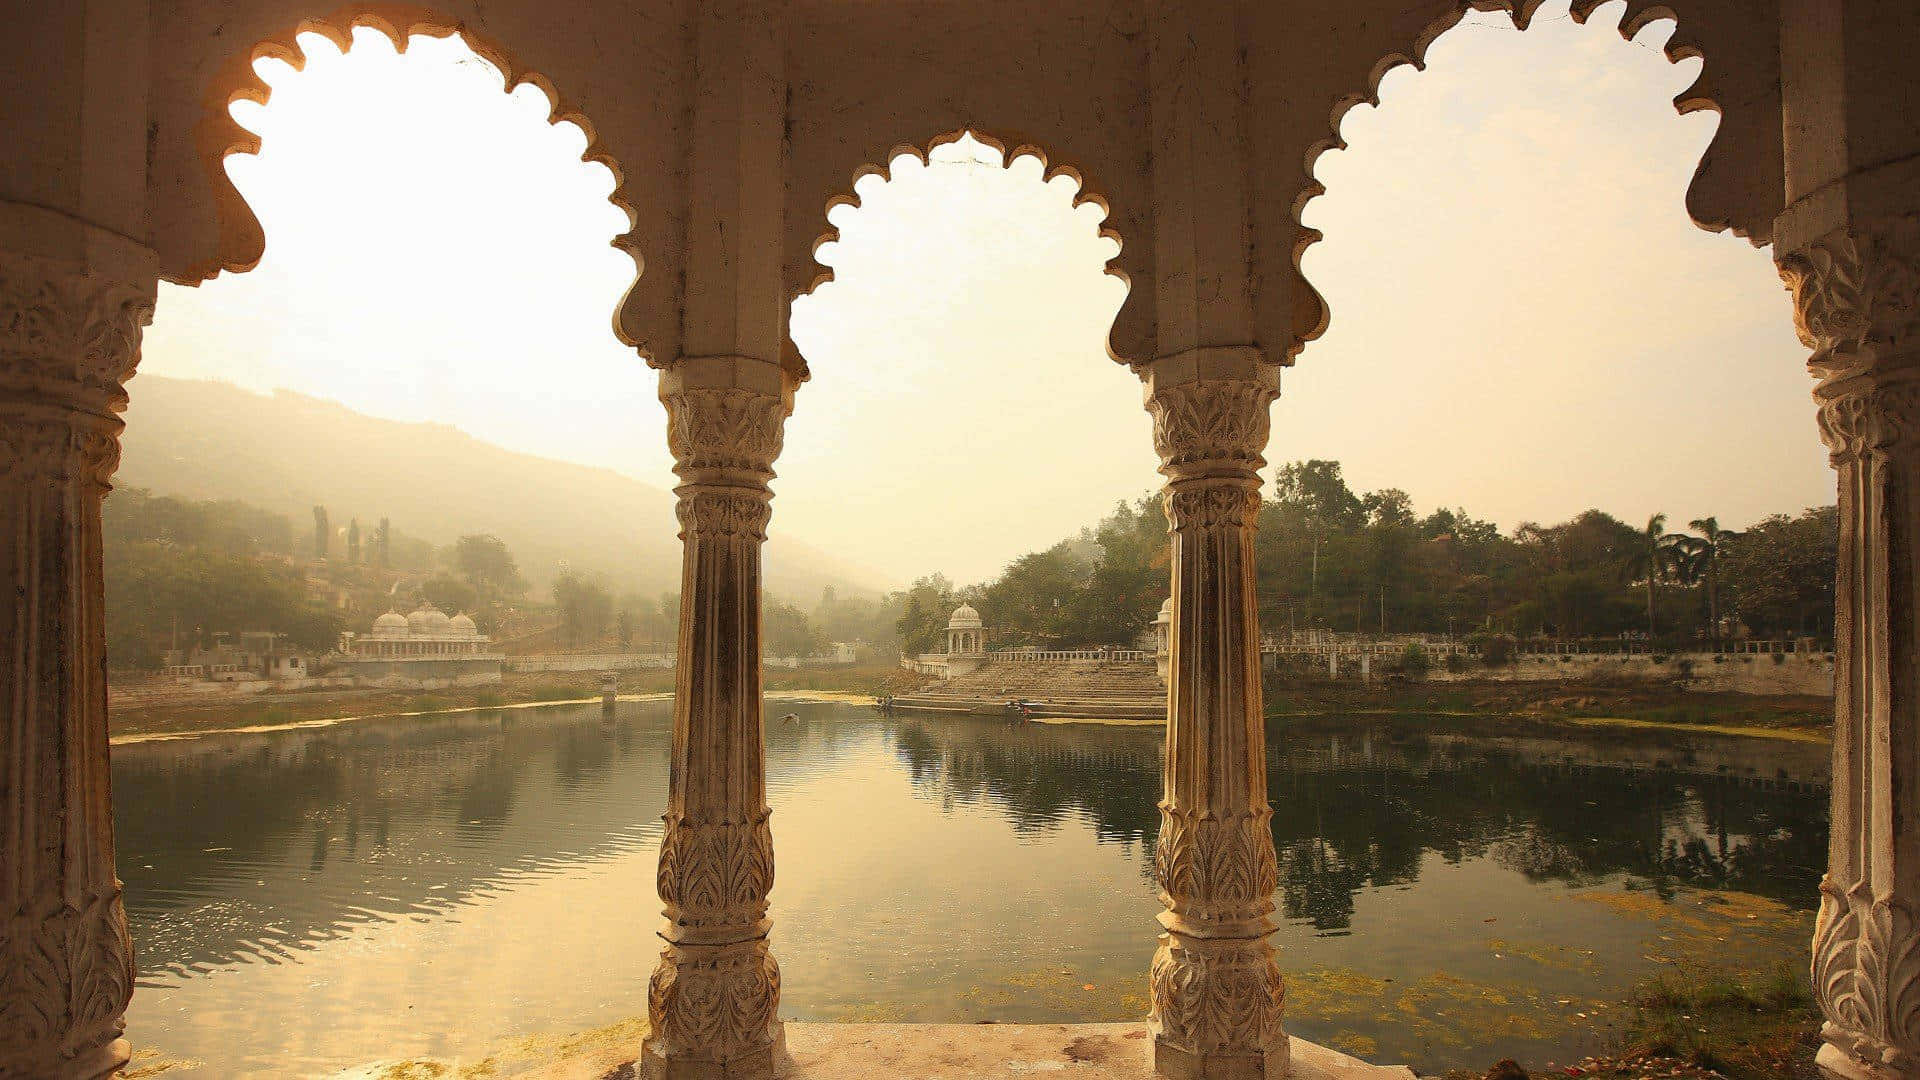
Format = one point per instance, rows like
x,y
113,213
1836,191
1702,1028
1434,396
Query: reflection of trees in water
x,y
341,825
1363,809
291,836
1038,774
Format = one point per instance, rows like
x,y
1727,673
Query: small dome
x,y
964,618
438,620
421,621
1166,611
391,624
461,624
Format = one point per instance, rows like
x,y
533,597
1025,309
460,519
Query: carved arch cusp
x,y
202,225
1127,339
1738,185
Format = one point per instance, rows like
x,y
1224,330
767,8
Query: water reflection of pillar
x,y
1215,986
69,338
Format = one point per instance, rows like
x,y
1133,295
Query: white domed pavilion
x,y
966,636
425,648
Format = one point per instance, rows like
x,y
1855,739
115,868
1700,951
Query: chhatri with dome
x,y
424,649
966,636
966,642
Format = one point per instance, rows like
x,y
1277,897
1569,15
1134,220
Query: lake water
x,y
309,900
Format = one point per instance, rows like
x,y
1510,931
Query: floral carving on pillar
x,y
1857,307
68,342
1215,985
714,998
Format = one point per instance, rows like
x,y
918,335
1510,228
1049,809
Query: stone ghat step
x,y
1014,1052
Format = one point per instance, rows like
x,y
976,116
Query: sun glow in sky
x,y
1524,322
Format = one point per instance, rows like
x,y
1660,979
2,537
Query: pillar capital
x,y
1210,413
1856,306
69,336
1856,296
726,419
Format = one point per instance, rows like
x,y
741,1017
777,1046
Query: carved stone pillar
x,y
68,340
714,999
1215,987
1857,306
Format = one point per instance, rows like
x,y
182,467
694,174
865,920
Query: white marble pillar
x,y
1215,986
1857,306
715,996
69,339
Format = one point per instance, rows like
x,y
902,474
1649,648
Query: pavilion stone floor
x,y
882,1052
1006,1051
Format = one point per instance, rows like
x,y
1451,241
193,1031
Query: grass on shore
x,y
1745,1029
1714,1026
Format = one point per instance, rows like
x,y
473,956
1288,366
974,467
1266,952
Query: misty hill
x,y
289,453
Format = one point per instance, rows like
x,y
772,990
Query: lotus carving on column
x,y
1866,972
1222,998
66,976
724,1005
1216,867
716,874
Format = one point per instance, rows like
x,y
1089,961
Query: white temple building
x,y
426,649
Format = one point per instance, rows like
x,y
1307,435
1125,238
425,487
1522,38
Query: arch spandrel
x,y
612,67
1065,83
1307,70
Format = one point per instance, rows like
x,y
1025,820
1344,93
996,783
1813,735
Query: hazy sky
x,y
1524,321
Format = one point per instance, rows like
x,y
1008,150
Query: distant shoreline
x,y
1566,706
136,724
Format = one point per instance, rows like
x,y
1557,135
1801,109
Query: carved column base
x,y
95,1064
759,1065
1867,1059
1217,1010
1172,1063
65,976
714,1012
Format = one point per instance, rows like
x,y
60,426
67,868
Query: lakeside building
x,y
426,649
248,656
838,654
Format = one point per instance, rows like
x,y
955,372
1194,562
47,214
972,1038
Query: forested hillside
x,y
288,453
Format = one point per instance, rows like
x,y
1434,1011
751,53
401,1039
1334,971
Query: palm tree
x,y
1652,559
1712,539
1686,559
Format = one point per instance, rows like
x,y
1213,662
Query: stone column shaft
x,y
1857,305
68,340
714,998
1215,986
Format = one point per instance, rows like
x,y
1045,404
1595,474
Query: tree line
x,y
1327,557
179,571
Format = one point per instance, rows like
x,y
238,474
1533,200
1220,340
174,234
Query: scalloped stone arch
x,y
242,240
1700,95
1009,150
